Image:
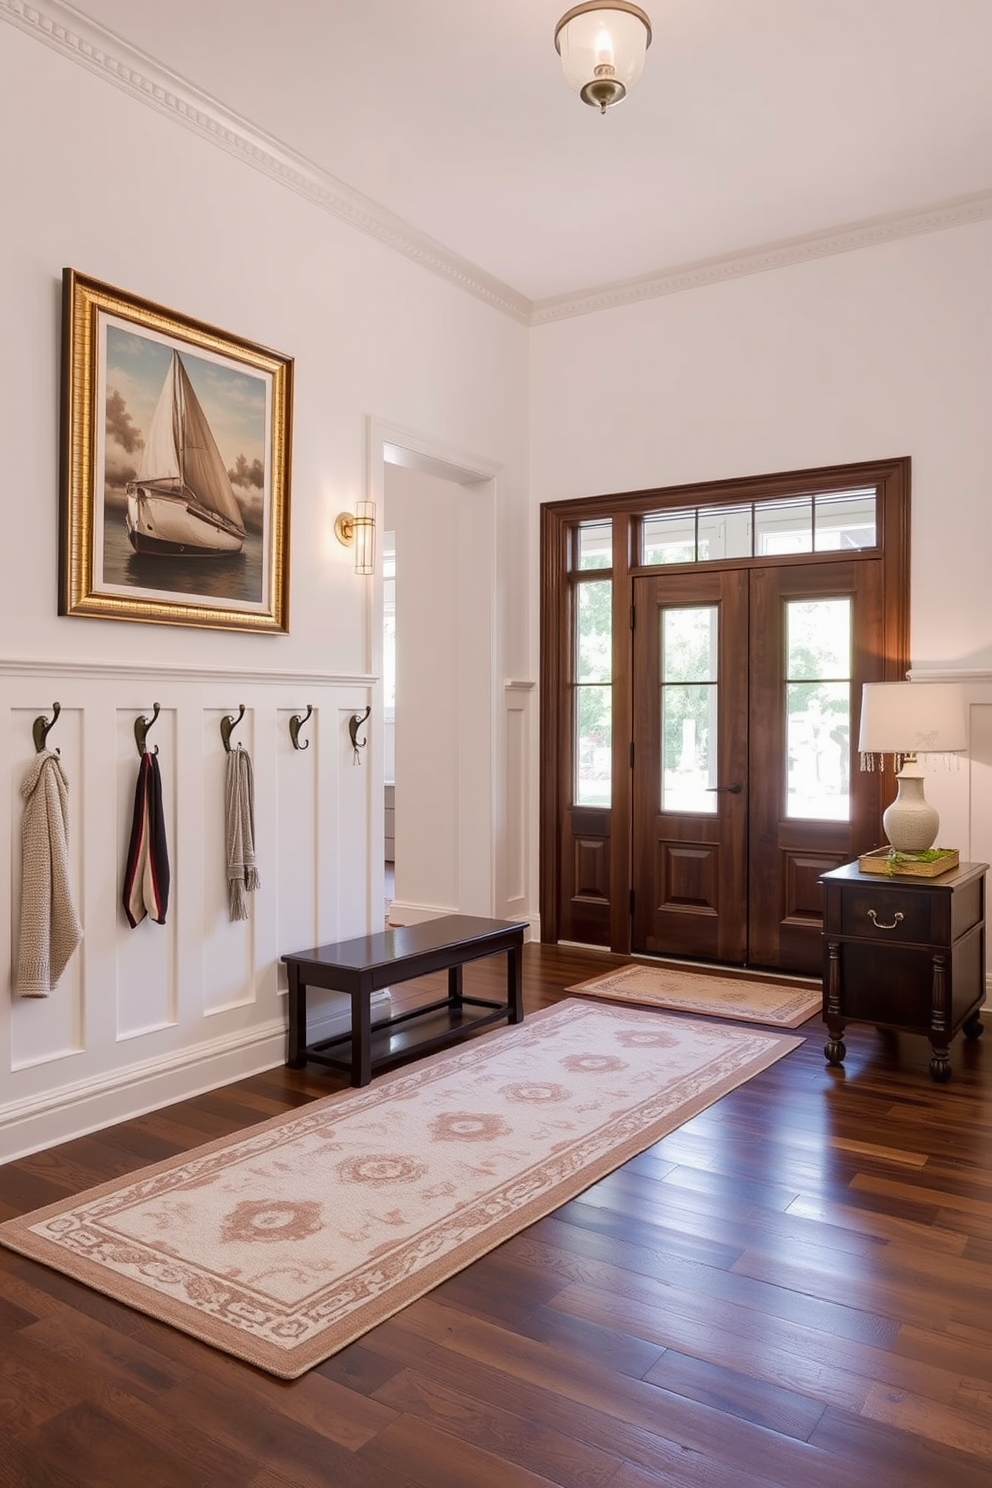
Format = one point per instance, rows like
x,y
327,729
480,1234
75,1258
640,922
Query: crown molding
x,y
83,41
954,212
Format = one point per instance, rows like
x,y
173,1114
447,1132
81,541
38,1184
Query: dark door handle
x,y
732,790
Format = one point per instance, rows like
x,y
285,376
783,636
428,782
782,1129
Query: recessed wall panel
x,y
297,826
146,959
46,1028
227,959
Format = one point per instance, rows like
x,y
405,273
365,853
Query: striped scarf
x,y
146,878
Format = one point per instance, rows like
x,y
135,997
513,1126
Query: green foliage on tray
x,y
931,855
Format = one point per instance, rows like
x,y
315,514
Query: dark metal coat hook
x,y
354,724
141,727
229,724
42,726
295,724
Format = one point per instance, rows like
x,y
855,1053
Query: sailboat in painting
x,y
181,500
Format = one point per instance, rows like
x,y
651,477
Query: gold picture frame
x,y
174,505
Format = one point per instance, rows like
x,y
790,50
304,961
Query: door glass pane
x,y
592,694
594,639
818,639
593,745
594,544
818,709
783,527
689,709
846,521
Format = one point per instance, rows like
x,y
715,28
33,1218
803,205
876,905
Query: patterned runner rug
x,y
694,992
286,1243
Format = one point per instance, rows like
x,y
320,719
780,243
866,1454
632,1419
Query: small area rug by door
x,y
694,992
282,1244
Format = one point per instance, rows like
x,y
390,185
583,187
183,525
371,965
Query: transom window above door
x,y
827,522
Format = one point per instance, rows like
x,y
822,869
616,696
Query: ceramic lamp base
x,y
910,822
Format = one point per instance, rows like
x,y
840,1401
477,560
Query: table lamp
x,y
907,719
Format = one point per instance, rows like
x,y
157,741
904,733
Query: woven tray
x,y
905,865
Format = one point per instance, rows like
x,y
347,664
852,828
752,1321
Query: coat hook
x,y
295,724
354,724
229,724
42,726
141,727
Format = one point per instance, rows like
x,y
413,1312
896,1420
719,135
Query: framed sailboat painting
x,y
175,467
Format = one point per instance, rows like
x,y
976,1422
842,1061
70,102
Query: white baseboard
x,y
88,1105
402,912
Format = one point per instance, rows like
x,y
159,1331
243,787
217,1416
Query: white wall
x,y
865,355
878,353
96,180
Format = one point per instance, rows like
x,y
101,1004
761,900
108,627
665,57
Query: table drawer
x,y
887,914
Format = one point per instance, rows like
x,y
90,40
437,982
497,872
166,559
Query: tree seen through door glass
x,y
818,709
593,692
689,682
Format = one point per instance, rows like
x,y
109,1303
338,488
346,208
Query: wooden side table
x,y
904,953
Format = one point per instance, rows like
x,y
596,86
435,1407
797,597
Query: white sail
x,y
202,468
182,500
160,456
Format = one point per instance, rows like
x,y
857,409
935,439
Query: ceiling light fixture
x,y
602,45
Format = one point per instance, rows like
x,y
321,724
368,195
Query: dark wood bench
x,y
372,962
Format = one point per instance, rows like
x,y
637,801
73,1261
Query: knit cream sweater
x,y
50,926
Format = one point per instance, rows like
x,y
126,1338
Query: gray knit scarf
x,y
239,816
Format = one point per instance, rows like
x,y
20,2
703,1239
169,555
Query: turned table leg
x,y
835,1048
940,1060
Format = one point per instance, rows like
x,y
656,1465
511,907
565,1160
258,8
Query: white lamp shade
x,y
604,35
912,718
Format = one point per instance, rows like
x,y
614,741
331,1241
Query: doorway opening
x,y
703,652
440,507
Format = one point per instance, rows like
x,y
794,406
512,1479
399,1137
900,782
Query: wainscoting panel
x,y
146,969
517,702
148,1015
227,963
298,831
49,1029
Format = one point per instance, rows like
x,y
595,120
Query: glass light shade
x,y
360,530
912,718
365,537
602,48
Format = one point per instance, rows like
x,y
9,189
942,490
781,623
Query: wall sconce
x,y
360,530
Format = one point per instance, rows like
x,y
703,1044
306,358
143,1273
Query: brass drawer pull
x,y
872,915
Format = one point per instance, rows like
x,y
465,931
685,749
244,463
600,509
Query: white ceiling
x,y
755,120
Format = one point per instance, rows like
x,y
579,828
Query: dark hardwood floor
x,y
793,1289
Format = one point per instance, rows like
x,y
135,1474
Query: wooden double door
x,y
745,787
